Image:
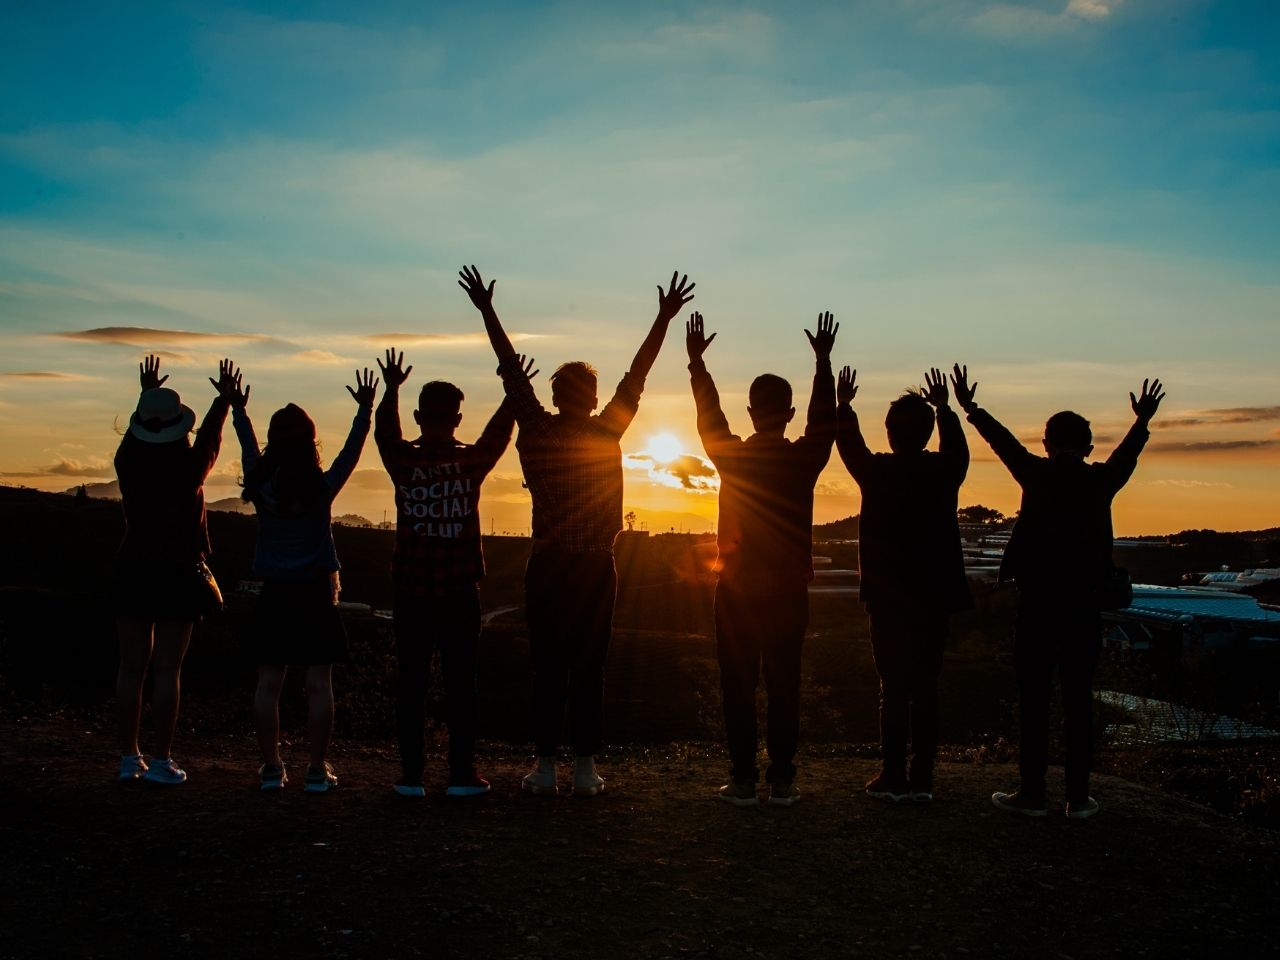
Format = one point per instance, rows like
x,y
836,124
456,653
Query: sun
x,y
664,447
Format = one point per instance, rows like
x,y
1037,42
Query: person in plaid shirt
x,y
437,564
572,465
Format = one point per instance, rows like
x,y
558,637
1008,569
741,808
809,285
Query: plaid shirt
x,y
573,468
765,533
437,488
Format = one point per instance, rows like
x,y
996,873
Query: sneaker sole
x,y
594,791
1081,814
921,797
886,797
406,791
783,801
166,782
1025,811
537,790
271,786
740,801
318,787
466,791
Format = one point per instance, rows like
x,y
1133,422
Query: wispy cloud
x,y
1189,484
40,375
148,336
66,467
443,339
1211,446
1201,418
1019,22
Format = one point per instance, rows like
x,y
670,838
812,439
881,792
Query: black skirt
x,y
155,593
298,624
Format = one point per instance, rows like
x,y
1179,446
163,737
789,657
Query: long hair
x,y
290,462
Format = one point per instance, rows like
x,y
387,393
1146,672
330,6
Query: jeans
x,y
451,623
569,600
1053,634
755,631
907,642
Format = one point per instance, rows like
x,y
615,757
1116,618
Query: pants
x,y
907,642
451,623
569,600
1051,633
752,631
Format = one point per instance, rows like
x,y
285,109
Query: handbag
x,y
1117,590
208,595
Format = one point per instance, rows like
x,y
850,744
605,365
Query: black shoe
x,y
1017,802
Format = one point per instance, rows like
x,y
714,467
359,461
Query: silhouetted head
x,y
1067,434
290,462
439,408
573,388
909,423
770,403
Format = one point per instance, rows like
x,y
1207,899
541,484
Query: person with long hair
x,y
297,620
160,580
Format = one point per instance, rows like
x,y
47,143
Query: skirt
x,y
297,623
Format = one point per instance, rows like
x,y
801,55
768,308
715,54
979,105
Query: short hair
x,y
770,399
909,422
575,382
439,400
1068,430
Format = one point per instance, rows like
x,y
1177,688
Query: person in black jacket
x,y
1059,554
911,569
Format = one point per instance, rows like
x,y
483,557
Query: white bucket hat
x,y
161,417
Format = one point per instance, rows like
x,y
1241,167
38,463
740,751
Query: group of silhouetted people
x,y
911,566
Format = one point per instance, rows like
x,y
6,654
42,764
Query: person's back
x,y
765,562
1059,555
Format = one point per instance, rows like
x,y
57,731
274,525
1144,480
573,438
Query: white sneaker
x,y
132,767
541,781
586,782
164,771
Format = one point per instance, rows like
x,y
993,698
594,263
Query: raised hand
x,y
695,340
1145,406
392,371
526,366
473,283
149,373
846,387
825,339
229,385
935,388
366,388
960,382
672,300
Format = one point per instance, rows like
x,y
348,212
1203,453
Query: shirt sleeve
x,y
820,421
622,406
249,450
497,434
386,430
1017,458
344,463
952,446
208,441
851,446
713,427
525,407
1124,458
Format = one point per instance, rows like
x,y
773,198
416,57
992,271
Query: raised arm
x,y
482,297
852,447
952,445
386,426
713,427
820,424
1124,458
670,302
208,441
339,472
149,373
1017,458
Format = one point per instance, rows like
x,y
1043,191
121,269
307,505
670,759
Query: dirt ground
x,y
655,867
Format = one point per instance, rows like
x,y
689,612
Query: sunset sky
x,y
1066,196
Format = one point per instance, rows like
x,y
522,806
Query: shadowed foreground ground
x,y
653,868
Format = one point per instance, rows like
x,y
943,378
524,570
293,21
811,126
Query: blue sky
x,y
1066,195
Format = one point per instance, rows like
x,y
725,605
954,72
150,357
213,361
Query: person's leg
x,y
172,637
599,588
548,596
1079,658
1034,658
890,635
266,711
459,639
927,642
738,652
413,658
319,683
135,654
784,622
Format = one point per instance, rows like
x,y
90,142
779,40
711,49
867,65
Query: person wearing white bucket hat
x,y
159,586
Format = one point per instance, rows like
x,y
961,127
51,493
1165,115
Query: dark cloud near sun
x,y
692,471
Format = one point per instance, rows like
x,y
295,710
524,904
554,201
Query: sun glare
x,y
664,447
